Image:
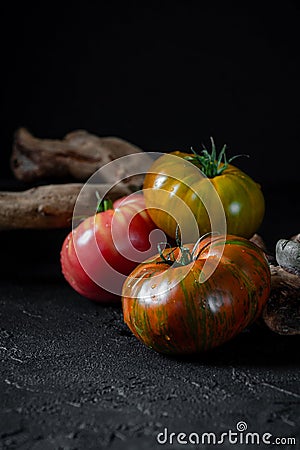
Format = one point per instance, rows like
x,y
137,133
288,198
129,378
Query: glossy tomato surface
x,y
171,311
115,239
241,197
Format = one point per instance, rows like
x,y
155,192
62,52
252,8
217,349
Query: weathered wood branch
x,y
78,155
50,206
282,311
258,240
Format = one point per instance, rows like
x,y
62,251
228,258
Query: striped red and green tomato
x,y
190,316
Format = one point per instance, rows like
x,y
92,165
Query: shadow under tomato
x,y
254,347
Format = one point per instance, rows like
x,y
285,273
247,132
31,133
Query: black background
x,y
165,76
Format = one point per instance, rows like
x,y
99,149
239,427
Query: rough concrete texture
x,y
74,377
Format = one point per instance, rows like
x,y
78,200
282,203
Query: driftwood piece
x,y
282,311
50,206
78,155
296,238
258,240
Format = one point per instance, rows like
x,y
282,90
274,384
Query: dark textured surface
x,y
73,377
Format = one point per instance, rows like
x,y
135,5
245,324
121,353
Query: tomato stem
x,y
211,163
178,236
104,205
187,256
166,259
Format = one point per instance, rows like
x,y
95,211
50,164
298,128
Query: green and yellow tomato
x,y
171,177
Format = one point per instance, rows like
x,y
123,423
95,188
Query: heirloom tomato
x,y
169,309
169,177
104,246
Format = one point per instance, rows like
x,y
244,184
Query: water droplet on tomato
x,y
167,337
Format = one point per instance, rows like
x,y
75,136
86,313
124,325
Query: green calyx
x,y
211,164
187,256
104,205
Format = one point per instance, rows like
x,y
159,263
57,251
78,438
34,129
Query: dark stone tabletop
x,y
74,377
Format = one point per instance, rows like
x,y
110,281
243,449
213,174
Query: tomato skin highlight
x,y
128,218
192,317
241,196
